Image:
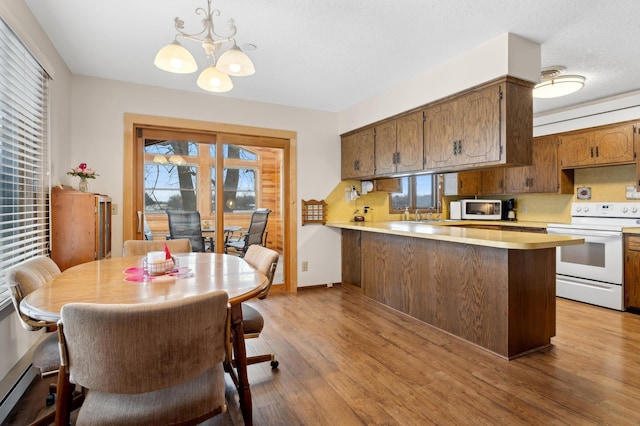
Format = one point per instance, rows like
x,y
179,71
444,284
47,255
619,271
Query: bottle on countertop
x,y
405,215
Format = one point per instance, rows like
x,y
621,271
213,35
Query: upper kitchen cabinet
x,y
358,154
492,182
488,126
399,146
463,183
606,145
544,175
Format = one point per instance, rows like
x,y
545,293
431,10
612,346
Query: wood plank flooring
x,y
347,360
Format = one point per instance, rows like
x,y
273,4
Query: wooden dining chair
x,y
264,260
253,235
22,279
142,247
146,364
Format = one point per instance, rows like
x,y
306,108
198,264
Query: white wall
x,y
97,111
615,109
14,340
506,54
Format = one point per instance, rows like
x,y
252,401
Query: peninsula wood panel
x,y
502,300
351,257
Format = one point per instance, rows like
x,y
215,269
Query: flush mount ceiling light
x,y
215,78
554,83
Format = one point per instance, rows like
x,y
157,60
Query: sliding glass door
x,y
225,177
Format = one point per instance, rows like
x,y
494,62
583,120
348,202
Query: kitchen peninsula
x,y
495,289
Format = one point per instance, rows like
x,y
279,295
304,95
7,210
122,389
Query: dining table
x,y
123,280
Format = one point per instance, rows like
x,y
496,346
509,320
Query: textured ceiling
x,y
331,54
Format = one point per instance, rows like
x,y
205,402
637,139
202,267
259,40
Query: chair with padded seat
x,y
151,363
264,260
186,224
254,234
22,279
142,247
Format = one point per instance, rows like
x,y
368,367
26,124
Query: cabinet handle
x,y
397,158
597,154
455,147
500,184
139,222
459,147
356,165
591,152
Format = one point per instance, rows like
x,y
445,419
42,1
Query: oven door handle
x,y
583,232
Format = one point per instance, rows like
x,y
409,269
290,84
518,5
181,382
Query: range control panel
x,y
626,210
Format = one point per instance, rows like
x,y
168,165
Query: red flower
x,y
82,166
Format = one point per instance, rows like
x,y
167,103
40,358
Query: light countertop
x,y
443,231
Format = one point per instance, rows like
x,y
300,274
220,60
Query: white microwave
x,y
481,209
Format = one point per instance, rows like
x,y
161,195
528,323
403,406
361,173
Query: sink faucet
x,y
418,215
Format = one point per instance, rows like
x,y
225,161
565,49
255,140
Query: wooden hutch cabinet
x,y
80,227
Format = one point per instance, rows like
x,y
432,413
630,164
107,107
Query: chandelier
x,y
215,78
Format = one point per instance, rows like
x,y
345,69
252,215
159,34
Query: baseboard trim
x,y
17,389
14,384
309,287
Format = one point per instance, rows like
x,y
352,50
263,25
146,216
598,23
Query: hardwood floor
x,y
347,360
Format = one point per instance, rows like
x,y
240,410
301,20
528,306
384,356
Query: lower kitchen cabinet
x,y
632,272
351,257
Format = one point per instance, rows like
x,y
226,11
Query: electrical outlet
x,y
114,208
305,266
524,209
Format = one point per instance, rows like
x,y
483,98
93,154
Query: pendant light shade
x,y
160,159
177,160
233,62
176,59
236,63
213,80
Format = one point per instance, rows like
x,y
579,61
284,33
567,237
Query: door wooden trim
x,y
132,196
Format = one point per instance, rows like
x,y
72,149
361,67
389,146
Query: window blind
x,y
24,162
